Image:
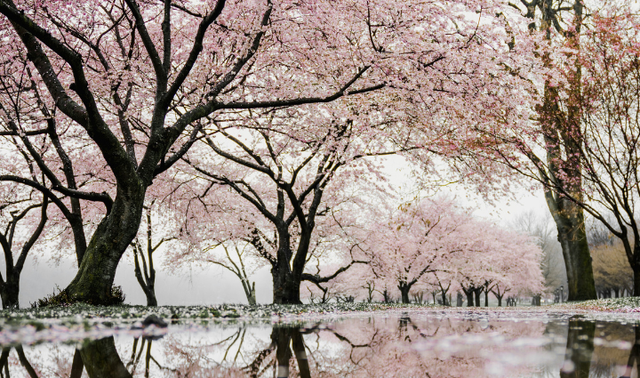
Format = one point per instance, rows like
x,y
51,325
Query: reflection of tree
x,y
634,355
579,348
136,353
286,339
4,362
101,359
407,344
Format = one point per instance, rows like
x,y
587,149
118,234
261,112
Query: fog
x,y
190,287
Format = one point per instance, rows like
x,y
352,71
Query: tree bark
x,y
101,359
404,291
469,293
572,236
10,291
286,288
562,174
477,293
94,280
636,279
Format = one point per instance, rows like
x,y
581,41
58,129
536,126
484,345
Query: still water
x,y
414,343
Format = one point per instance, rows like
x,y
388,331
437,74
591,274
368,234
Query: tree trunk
x,y
563,176
286,288
404,292
486,298
94,280
478,292
10,291
469,293
572,236
101,359
499,297
579,348
152,301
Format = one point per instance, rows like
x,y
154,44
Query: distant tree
x,y
21,230
146,244
611,270
236,263
543,232
416,240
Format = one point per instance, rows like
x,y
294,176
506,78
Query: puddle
x,y
413,343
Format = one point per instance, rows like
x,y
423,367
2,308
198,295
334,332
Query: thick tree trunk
x,y
101,359
572,236
579,349
94,280
286,287
151,297
404,292
10,292
477,293
469,294
499,300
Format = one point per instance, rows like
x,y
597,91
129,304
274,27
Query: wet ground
x,y
392,343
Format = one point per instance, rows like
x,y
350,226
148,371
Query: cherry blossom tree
x,y
500,261
550,152
418,239
140,82
287,224
433,242
93,61
27,123
543,232
589,126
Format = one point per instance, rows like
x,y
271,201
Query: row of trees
x,y
264,119
432,245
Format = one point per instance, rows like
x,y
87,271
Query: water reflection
x,y
579,349
393,345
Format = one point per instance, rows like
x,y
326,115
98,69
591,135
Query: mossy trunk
x,y
575,250
94,279
101,359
